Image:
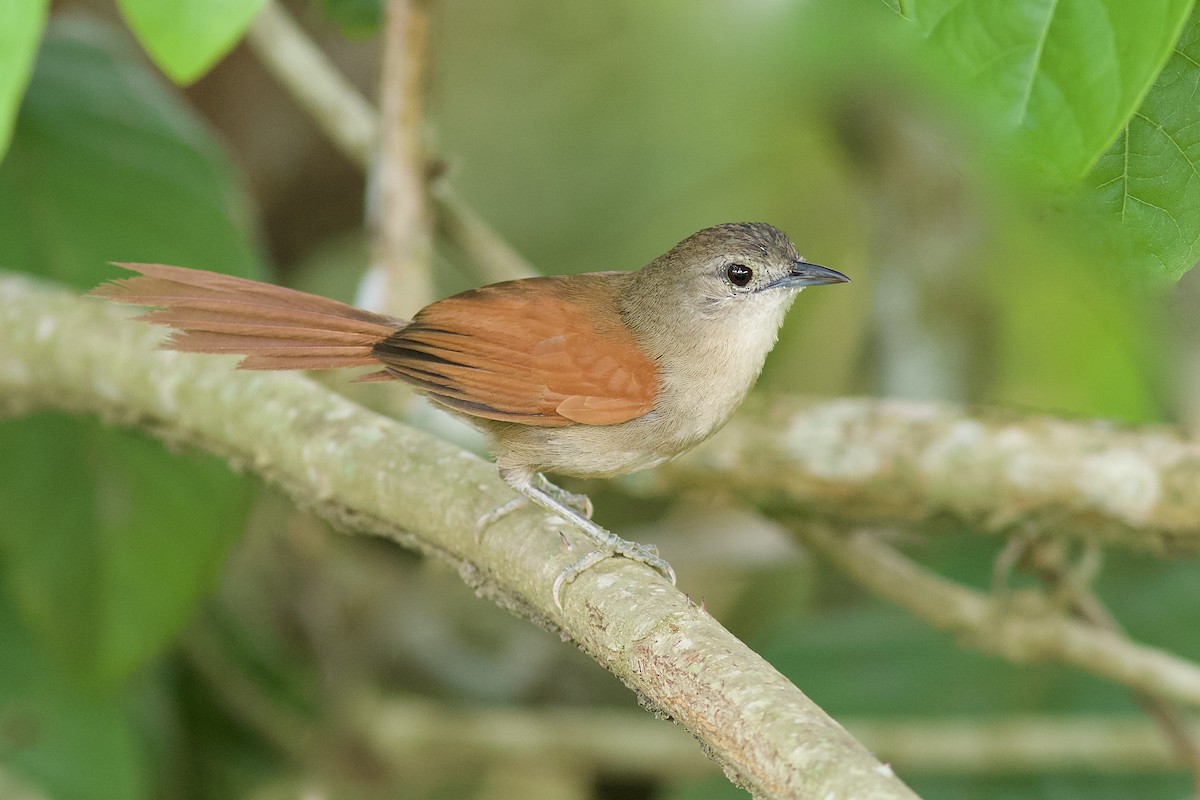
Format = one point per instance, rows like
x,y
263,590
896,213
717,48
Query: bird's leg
x,y
553,499
580,502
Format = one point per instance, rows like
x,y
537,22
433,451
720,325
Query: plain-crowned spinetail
x,y
591,375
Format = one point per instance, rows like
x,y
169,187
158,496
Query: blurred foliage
x,y
1083,91
107,164
1009,187
186,37
354,17
1142,183
137,538
74,743
20,27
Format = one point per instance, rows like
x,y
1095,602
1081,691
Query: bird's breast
x,y
711,370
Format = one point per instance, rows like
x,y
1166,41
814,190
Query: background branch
x,y
400,281
1047,560
351,123
401,730
335,105
883,461
1020,744
367,473
1021,627
465,231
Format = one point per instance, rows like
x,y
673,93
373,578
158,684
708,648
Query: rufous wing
x,y
526,351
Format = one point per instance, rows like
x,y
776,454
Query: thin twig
x,y
351,123
1021,744
244,698
403,730
1048,561
460,227
1022,628
400,281
625,743
334,104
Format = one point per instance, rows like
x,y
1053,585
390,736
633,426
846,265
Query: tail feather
x,y
206,342
305,362
217,323
274,327
251,314
200,283
189,313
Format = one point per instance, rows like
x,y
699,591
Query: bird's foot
x,y
499,512
577,510
611,546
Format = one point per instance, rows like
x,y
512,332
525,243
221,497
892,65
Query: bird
x,y
589,375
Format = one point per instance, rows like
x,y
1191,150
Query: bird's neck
x,y
708,354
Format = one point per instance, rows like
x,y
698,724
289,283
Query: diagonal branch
x,y
1022,632
338,109
1046,559
369,474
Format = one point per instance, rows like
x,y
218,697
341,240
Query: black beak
x,y
805,274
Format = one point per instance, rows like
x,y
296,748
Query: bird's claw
x,y
493,516
644,554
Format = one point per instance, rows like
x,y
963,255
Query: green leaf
x,y
107,165
1064,76
107,540
21,23
1147,186
107,543
186,37
70,743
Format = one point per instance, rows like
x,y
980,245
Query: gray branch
x,y
367,473
888,461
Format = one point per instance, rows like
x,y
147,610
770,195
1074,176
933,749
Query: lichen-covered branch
x,y
368,473
1021,627
886,461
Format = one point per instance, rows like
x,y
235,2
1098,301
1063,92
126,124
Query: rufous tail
x,y
273,327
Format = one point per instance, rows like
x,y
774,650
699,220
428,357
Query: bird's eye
x,y
739,274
